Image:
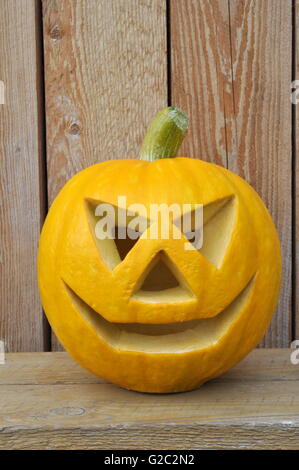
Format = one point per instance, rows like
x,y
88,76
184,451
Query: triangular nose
x,y
162,282
159,277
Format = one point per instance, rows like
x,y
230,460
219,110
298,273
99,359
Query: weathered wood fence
x,y
82,78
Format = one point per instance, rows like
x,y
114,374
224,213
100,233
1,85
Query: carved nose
x,y
162,282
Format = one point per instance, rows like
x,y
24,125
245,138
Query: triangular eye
x,y
124,245
191,225
115,230
210,230
218,220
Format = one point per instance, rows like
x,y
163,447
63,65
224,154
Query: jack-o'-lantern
x,y
154,314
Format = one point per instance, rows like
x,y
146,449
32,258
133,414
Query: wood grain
x,y
231,71
21,186
296,168
239,410
105,76
59,368
262,67
201,76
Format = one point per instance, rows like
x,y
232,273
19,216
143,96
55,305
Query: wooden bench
x,y
49,402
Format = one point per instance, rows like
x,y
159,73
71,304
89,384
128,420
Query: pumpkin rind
x,y
68,256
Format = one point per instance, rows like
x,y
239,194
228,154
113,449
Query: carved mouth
x,y
163,338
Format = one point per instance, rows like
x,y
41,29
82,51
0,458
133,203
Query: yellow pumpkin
x,y
149,314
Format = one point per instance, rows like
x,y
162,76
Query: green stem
x,y
164,135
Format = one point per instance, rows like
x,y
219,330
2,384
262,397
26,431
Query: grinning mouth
x,y
172,338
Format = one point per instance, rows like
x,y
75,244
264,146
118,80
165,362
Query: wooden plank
x,y
201,81
105,75
262,75
59,368
21,185
236,413
231,71
296,167
101,416
43,368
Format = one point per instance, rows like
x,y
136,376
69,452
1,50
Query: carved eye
x,y
115,230
209,231
218,221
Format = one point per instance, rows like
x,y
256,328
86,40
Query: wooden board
x,y
201,80
22,186
296,170
106,67
231,71
59,368
253,406
105,76
264,126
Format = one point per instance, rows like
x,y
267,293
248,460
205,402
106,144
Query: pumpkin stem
x,y
164,135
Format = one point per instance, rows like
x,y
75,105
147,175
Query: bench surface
x,y
49,402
